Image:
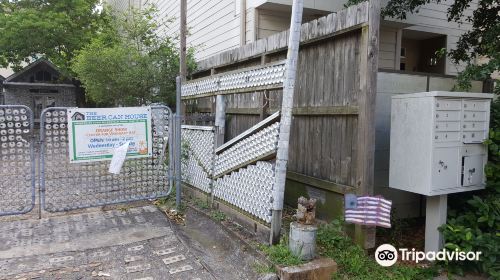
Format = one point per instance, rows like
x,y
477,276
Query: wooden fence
x,y
332,137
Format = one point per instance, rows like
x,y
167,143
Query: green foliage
x,y
218,215
280,254
185,151
474,222
261,268
354,263
54,29
203,204
476,231
130,62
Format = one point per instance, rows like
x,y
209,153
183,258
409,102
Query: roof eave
x,y
36,84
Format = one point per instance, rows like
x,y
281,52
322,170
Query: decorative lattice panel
x,y
249,189
197,156
68,186
17,178
253,78
201,86
256,146
242,176
258,77
194,175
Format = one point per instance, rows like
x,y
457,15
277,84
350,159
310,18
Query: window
x,y
42,77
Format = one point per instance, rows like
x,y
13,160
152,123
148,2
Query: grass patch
x,y
354,263
218,215
280,254
203,204
263,268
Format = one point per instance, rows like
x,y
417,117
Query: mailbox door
x,y
472,173
445,168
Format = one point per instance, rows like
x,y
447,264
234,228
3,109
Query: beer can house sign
x,y
95,133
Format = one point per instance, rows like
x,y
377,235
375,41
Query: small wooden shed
x,y
39,85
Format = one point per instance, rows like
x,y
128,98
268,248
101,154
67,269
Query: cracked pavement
x,y
136,243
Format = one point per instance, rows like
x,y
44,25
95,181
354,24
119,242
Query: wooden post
x,y
365,236
264,105
286,120
183,22
265,102
220,117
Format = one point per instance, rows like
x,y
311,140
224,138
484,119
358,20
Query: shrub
x,y
474,221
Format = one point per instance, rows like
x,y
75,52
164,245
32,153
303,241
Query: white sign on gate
x,y
95,133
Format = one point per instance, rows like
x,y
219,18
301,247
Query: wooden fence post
x,y
265,102
365,236
220,117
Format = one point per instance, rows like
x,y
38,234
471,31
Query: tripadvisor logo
x,y
387,255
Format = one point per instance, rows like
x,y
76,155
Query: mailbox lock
x,y
443,165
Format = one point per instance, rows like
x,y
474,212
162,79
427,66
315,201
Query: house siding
x,y
387,48
431,18
271,22
213,26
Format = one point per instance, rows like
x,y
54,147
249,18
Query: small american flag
x,y
371,211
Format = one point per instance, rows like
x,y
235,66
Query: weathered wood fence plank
x,y
332,133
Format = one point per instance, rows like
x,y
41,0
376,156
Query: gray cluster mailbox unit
x,y
436,148
437,142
